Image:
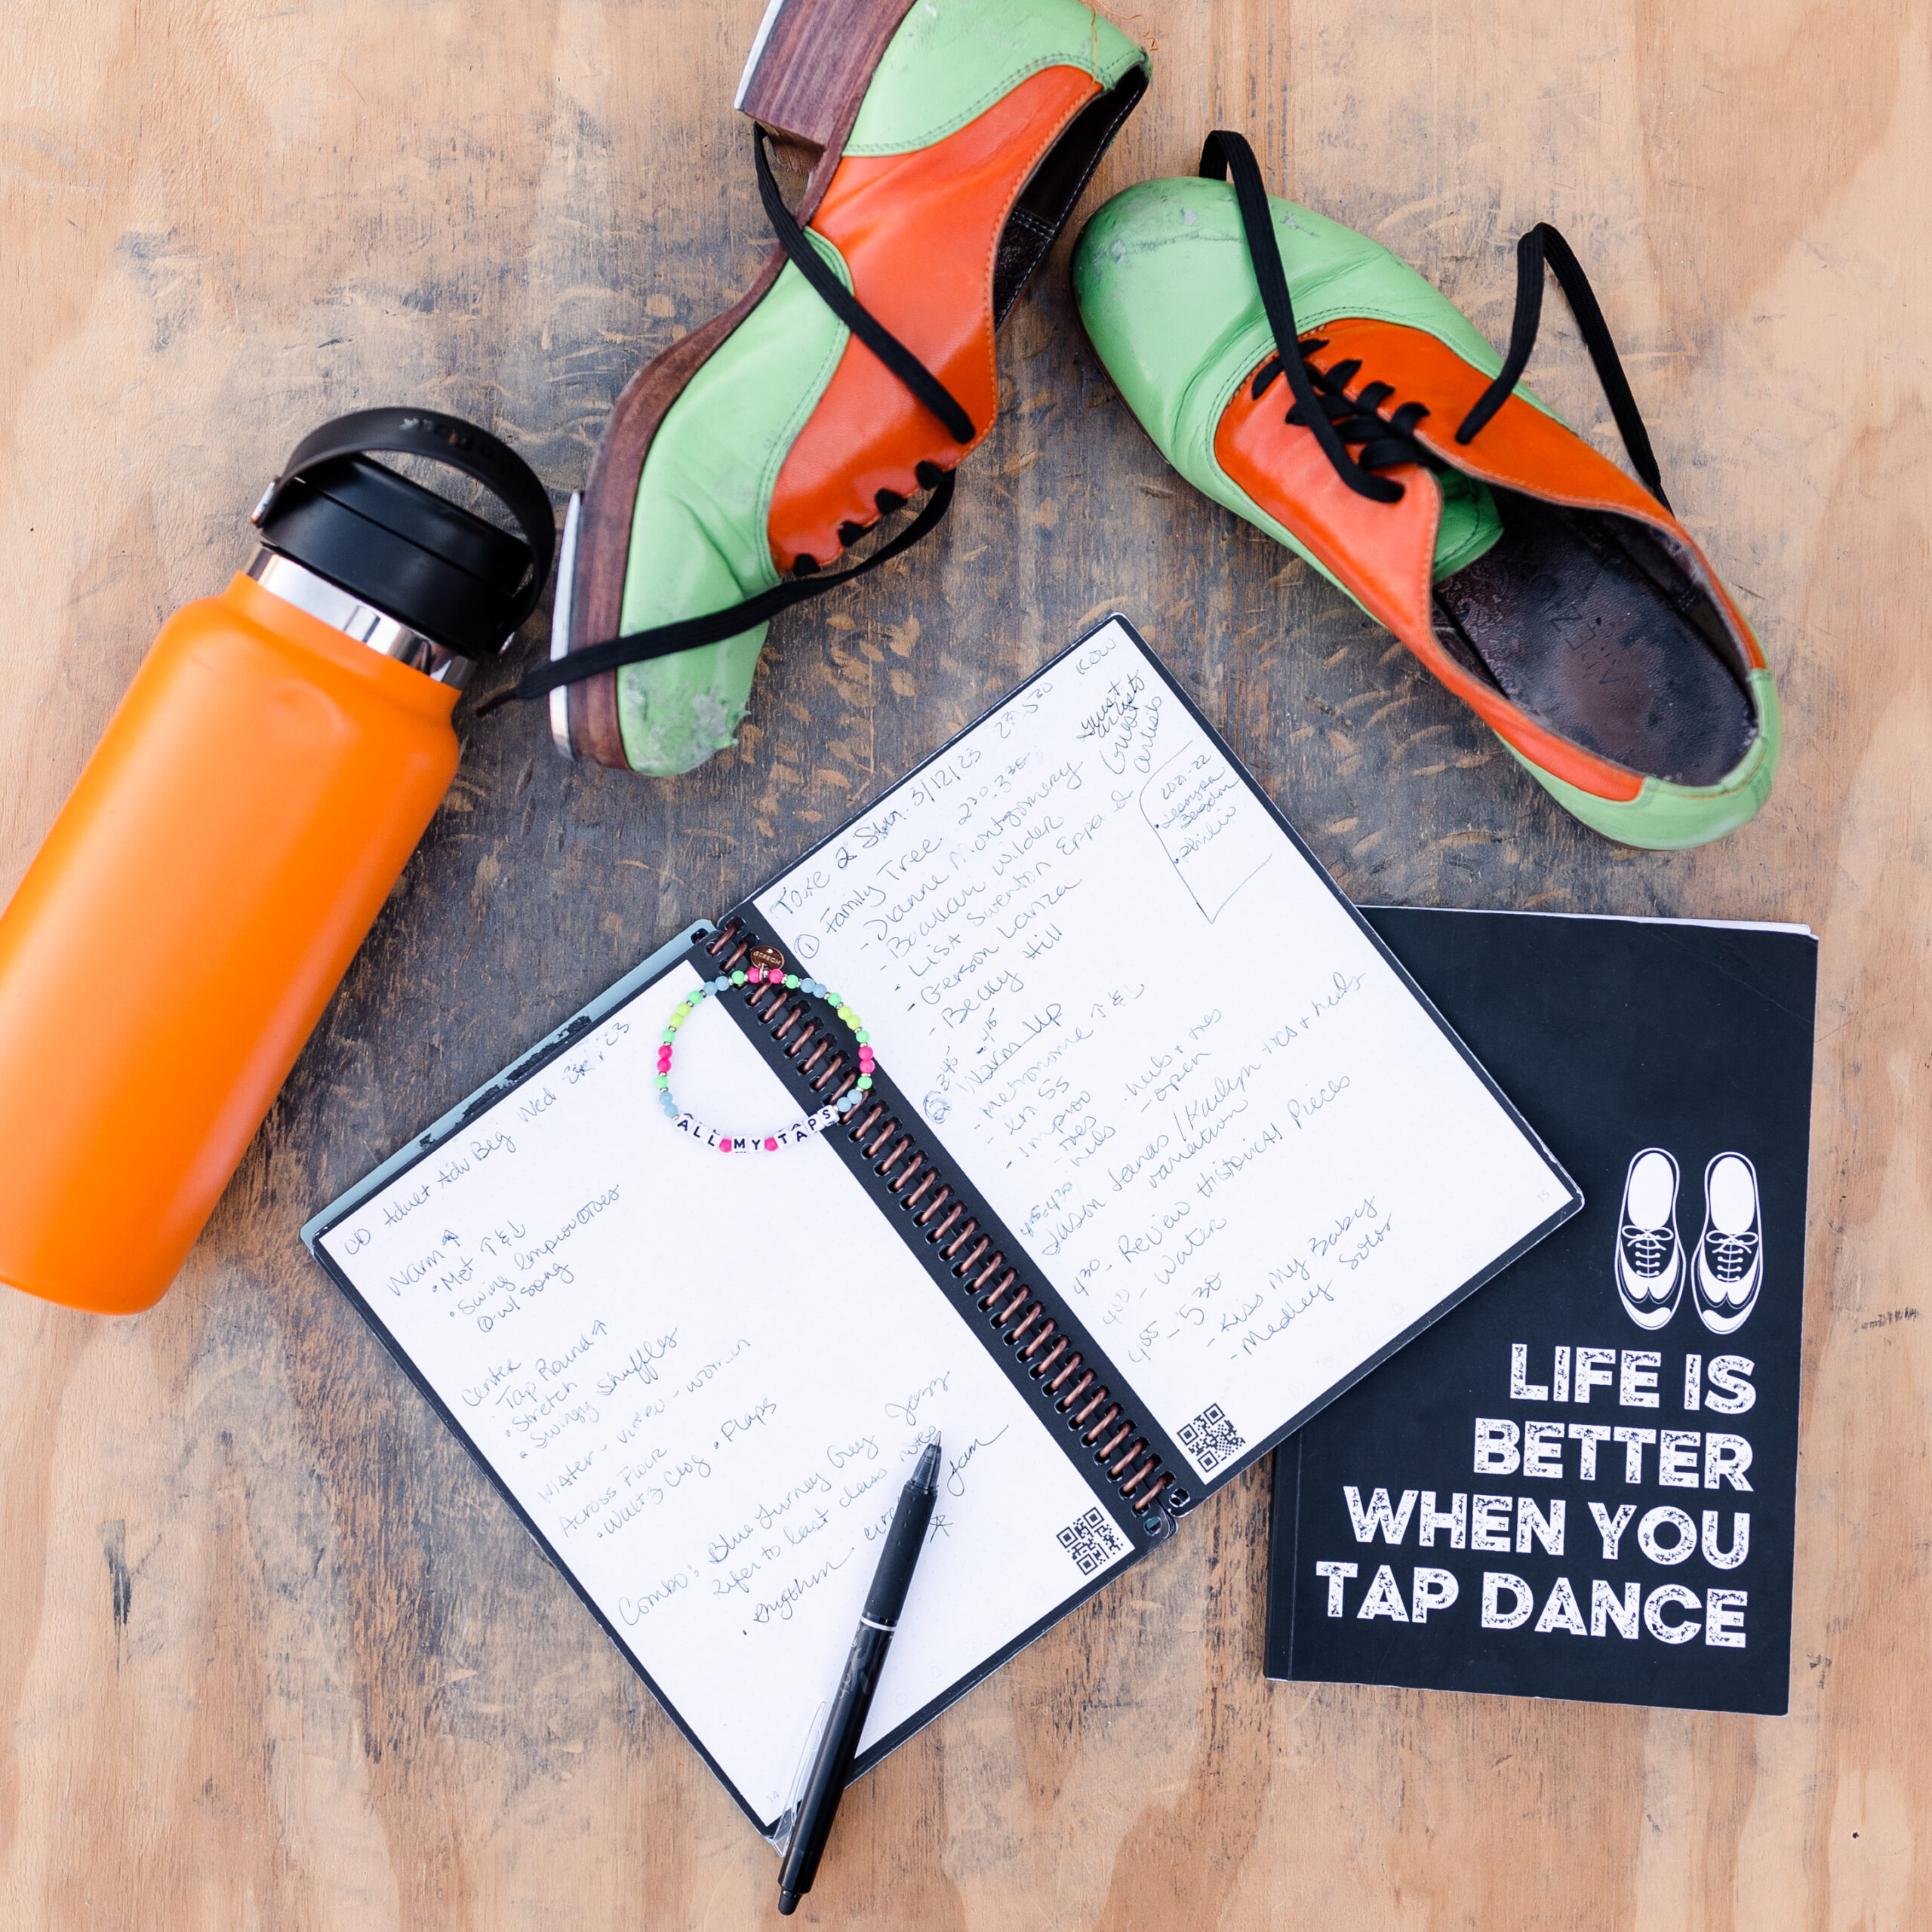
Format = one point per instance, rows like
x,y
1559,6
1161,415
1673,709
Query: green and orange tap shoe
x,y
942,146
1301,375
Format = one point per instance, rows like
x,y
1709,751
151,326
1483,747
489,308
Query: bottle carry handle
x,y
444,439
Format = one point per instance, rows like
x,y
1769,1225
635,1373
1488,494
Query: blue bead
x,y
669,1105
721,984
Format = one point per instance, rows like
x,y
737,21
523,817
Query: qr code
x,y
1211,1439
1092,1539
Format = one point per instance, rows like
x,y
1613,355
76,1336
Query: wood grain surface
x,y
272,1653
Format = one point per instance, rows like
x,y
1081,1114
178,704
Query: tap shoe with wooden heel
x,y
941,146
1304,376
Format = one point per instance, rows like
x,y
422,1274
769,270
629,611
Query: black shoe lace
x,y
714,626
1648,1249
1383,442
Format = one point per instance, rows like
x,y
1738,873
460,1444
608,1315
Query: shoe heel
x,y
811,64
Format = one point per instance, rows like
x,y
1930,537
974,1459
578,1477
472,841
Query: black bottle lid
x,y
429,563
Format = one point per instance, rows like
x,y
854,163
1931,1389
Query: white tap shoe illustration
x,y
1649,1255
1730,1265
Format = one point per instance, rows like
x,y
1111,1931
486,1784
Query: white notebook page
x,y
1148,1031
706,1377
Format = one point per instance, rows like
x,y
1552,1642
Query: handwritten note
x,y
706,1378
1165,1051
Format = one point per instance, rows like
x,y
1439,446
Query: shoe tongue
x,y
1522,447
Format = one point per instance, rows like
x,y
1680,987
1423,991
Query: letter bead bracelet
x,y
767,968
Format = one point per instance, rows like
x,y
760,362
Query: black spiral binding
x,y
829,1065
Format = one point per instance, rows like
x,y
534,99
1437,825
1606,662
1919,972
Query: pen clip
x,y
807,1750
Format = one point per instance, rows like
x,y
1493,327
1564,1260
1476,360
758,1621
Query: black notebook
x,y
1583,1483
1164,1149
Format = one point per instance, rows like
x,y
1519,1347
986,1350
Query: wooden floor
x,y
271,1654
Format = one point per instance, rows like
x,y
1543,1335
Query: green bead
x,y
792,982
834,999
865,1083
663,1083
669,1034
738,978
864,1039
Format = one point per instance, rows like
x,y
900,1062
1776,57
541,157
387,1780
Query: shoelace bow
x,y
1648,1248
687,633
1339,422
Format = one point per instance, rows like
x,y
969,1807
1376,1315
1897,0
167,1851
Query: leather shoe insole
x,y
1054,185
1592,628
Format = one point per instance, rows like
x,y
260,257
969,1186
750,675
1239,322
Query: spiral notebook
x,y
1164,1151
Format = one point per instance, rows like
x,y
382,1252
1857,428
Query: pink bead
x,y
770,1144
756,976
724,1146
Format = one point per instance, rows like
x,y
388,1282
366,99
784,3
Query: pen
x,y
880,1618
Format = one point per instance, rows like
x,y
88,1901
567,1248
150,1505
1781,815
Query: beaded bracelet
x,y
767,968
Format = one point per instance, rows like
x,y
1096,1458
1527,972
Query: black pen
x,y
840,1744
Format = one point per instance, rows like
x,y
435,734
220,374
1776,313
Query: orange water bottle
x,y
279,753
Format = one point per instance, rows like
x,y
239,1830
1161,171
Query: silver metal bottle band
x,y
342,611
